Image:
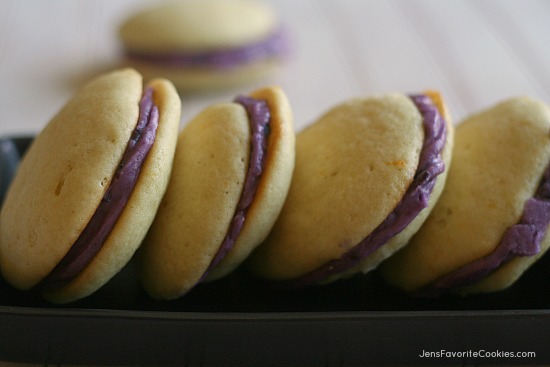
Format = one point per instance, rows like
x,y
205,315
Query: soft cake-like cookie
x,y
205,44
491,221
367,174
89,186
231,174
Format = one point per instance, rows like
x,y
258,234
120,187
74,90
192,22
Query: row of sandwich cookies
x,y
386,182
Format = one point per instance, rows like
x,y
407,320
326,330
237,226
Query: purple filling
x,y
276,45
110,208
416,198
521,239
259,117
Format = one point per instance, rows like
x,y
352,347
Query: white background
x,y
476,52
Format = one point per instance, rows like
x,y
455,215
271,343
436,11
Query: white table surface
x,y
476,52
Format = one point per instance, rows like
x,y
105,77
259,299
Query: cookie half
x,y
491,221
231,174
367,174
88,188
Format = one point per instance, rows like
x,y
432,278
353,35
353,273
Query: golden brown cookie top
x,y
199,25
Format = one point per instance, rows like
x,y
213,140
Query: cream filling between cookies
x,y
415,199
124,180
274,46
259,117
521,239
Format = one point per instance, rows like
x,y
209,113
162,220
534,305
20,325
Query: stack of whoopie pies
x,y
374,180
385,182
109,173
370,183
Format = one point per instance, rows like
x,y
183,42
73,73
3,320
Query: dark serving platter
x,y
241,320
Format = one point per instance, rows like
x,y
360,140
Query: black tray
x,y
241,320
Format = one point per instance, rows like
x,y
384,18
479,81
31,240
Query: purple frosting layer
x,y
110,208
276,45
416,198
521,239
259,117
